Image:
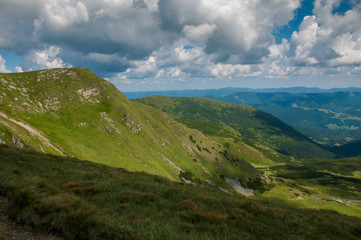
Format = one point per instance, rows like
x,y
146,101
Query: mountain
x,y
72,112
329,118
144,175
350,149
248,121
230,90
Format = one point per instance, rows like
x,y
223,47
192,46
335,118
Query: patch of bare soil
x,y
9,230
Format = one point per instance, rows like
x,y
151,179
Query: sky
x,y
142,45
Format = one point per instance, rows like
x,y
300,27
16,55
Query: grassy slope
x,y
318,183
84,200
88,118
311,183
248,121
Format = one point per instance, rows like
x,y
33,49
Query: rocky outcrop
x,y
131,124
17,141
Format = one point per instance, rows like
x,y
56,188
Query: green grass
x,y
204,114
88,118
85,200
318,183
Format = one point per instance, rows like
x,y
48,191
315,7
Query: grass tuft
x,y
187,204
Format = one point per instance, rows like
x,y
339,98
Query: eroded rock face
x,y
17,141
90,94
107,129
131,124
238,187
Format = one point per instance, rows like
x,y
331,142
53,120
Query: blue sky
x,y
144,45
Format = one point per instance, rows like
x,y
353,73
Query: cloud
x,y
3,68
233,31
127,28
48,58
18,69
17,24
57,15
200,33
133,40
327,38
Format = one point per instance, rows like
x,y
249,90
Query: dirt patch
x,y
11,230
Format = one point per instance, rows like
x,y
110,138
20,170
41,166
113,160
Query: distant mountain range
x,y
230,90
328,116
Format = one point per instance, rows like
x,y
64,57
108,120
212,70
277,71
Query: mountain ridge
x,y
231,90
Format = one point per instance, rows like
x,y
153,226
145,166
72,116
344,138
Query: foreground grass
x,y
84,200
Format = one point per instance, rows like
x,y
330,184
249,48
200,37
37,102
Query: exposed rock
x,y
187,181
266,178
2,141
131,124
224,190
89,94
3,81
238,187
106,117
210,182
107,129
72,74
171,163
17,141
52,104
82,124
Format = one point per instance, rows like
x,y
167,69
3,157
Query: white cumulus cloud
x,y
47,58
3,68
327,38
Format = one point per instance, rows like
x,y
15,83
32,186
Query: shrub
x,y
82,190
187,204
16,171
136,197
20,200
239,213
213,216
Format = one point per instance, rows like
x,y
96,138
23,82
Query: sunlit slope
x,y
73,112
248,121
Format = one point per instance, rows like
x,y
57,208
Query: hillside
x,y
328,118
73,112
83,200
248,121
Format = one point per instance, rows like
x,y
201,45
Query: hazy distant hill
x,y
250,122
230,90
326,117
